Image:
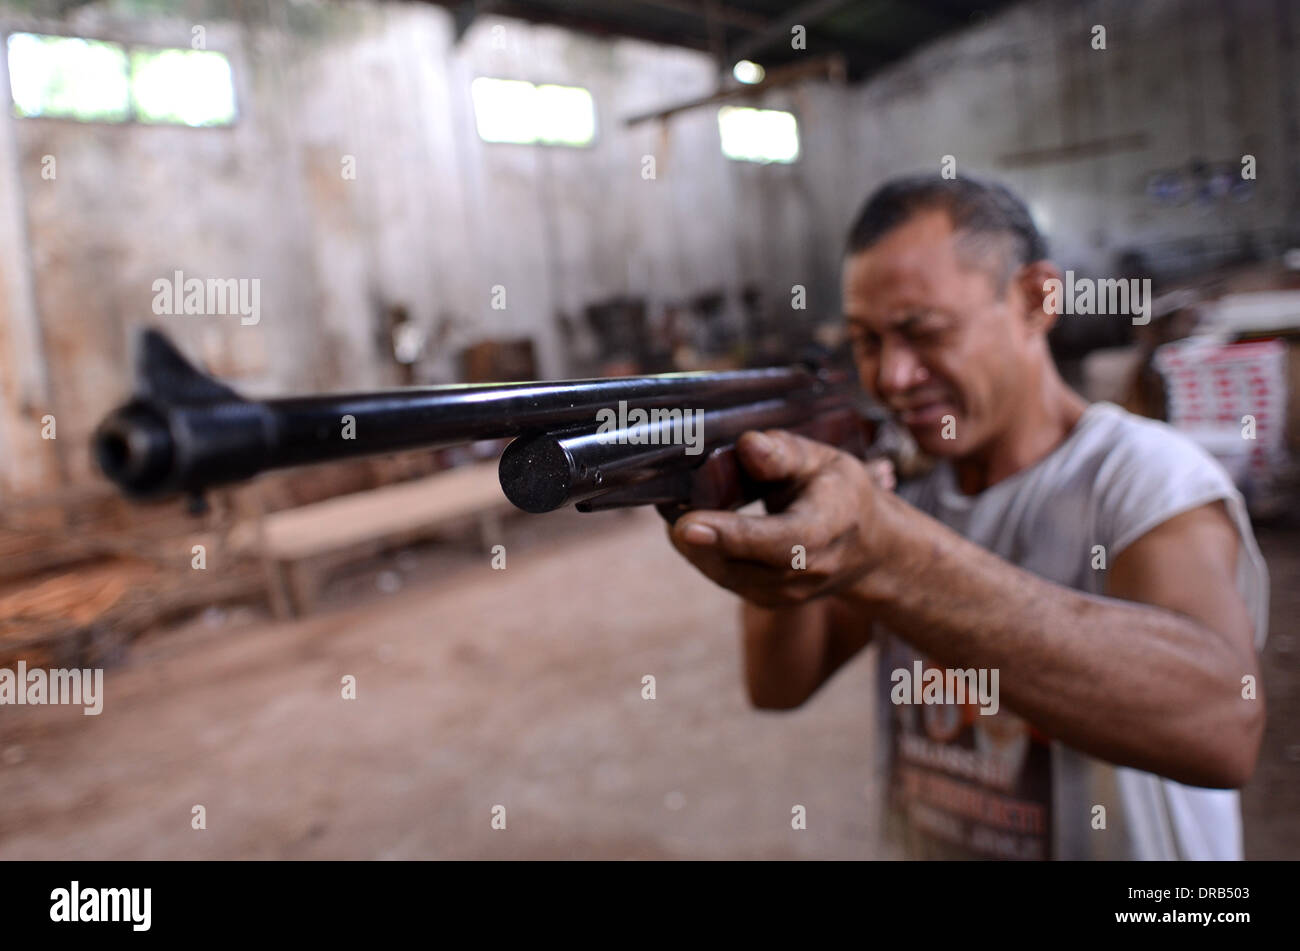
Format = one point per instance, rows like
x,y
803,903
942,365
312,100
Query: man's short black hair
x,y
983,213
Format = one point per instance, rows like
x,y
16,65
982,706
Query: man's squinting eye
x,y
922,328
863,340
926,327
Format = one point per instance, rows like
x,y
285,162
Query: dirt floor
x,y
477,688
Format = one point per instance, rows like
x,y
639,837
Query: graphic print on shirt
x,y
965,783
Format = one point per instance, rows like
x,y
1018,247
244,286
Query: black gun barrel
x,y
551,470
186,432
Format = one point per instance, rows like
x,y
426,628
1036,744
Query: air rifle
x,y
599,444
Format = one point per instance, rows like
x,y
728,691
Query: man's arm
x,y
790,652
1149,677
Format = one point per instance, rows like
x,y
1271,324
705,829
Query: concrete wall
x,y
1197,78
28,460
129,204
435,218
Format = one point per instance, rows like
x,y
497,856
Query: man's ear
x,y
1040,285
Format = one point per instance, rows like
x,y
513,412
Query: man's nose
x,y
900,370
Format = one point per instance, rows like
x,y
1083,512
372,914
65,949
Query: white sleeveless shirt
x,y
963,785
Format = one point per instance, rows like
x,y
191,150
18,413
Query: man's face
x,y
933,339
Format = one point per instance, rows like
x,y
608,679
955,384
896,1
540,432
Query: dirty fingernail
x,y
698,534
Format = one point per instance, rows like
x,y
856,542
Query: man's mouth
x,y
927,413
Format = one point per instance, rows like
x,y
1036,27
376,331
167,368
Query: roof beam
x,y
780,27
831,67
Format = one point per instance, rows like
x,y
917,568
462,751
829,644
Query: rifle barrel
x,y
187,432
553,469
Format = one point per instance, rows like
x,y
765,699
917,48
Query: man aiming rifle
x,y
1100,563
1096,568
